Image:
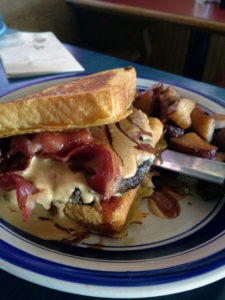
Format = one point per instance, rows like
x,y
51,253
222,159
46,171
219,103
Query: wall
x,y
39,15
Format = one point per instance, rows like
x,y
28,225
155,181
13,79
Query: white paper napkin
x,y
31,54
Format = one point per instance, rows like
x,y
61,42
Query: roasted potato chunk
x,y
145,102
202,123
149,100
219,121
181,113
157,133
193,144
170,94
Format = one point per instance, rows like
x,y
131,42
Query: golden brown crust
x,y
97,99
108,219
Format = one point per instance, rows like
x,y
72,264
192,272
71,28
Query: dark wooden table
x,y
202,18
189,12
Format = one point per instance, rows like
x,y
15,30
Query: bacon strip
x,y
60,142
50,142
24,189
21,144
97,163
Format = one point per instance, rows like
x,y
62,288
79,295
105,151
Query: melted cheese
x,y
133,132
125,139
42,223
56,182
142,121
125,148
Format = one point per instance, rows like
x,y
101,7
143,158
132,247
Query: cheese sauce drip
x,y
42,224
125,138
56,182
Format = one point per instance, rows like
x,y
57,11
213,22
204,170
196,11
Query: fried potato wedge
x,y
219,121
202,123
192,143
181,114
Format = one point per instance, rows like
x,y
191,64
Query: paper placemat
x,y
29,54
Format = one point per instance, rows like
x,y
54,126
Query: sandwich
x,y
80,149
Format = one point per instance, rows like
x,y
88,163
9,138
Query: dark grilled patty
x,y
125,185
133,182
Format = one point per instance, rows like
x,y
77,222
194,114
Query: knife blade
x,y
202,168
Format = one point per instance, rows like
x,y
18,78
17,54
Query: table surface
x,y
12,286
190,12
95,62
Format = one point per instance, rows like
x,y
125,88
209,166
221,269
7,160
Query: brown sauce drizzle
x,y
164,202
139,145
168,206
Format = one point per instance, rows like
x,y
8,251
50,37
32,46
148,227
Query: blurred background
x,y
156,43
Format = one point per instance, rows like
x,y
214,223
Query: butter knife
x,y
202,168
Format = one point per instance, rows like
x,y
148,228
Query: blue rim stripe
x,y
106,278
213,228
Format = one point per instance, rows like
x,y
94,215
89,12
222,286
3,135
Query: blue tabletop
x,y
13,287
94,62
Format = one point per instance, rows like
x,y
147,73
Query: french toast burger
x,y
80,147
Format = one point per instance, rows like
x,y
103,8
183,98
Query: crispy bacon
x,y
99,165
24,189
60,142
18,163
21,144
49,142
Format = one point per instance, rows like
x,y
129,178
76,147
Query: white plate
x,y
158,257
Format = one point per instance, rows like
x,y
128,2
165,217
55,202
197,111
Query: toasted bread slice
x,y
108,218
97,99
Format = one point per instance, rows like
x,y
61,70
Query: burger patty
x,y
133,182
125,184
